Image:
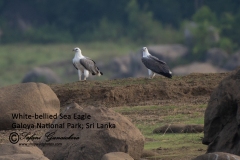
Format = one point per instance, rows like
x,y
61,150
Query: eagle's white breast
x,y
76,61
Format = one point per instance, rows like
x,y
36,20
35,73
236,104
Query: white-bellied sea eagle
x,y
84,65
155,65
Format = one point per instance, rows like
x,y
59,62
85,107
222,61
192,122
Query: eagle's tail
x,y
169,74
100,73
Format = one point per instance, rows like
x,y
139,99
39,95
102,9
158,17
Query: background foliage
x,y
40,32
157,21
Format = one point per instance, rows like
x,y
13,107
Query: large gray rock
x,y
116,156
217,156
233,62
127,66
26,98
16,152
169,52
216,56
222,117
41,74
105,131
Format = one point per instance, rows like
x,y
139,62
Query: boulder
x,y
196,67
16,152
41,74
168,53
120,67
116,156
99,131
121,64
127,66
222,117
233,61
179,128
216,56
32,99
217,156
149,154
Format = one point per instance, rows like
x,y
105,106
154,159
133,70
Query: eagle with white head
x,y
155,65
84,65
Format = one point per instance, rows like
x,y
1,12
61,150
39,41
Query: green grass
x,y
17,59
173,145
174,141
136,108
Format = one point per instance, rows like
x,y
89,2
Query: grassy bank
x,y
168,146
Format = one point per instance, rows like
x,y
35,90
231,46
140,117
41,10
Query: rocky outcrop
x,y
169,53
41,74
217,156
90,133
222,117
21,103
16,152
216,57
126,66
233,61
116,156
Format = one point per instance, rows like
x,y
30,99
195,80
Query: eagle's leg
x,y
79,74
86,74
151,74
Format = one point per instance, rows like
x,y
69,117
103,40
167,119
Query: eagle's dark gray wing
x,y
90,65
157,66
155,58
75,66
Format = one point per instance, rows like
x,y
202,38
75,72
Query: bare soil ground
x,y
190,89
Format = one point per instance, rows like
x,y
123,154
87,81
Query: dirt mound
x,y
193,88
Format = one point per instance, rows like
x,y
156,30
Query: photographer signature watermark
x,y
15,137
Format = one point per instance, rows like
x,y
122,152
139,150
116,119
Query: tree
x,y
205,34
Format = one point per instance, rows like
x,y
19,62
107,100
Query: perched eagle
x,y
84,65
155,65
